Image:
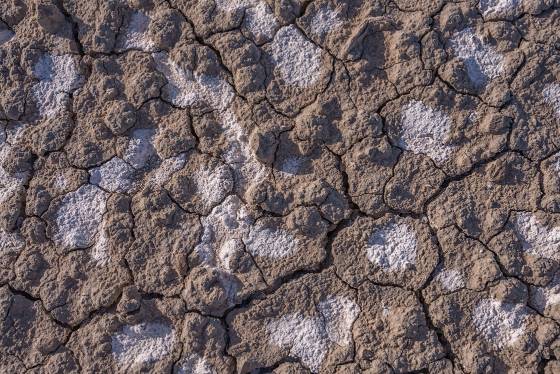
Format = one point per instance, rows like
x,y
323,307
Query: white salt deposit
x,y
141,343
482,61
195,364
229,251
78,217
100,250
339,313
450,279
537,239
306,338
500,9
135,35
140,148
325,20
186,88
551,94
297,61
213,185
115,176
545,297
166,169
291,166
500,324
273,242
261,22
10,242
10,184
247,169
223,230
393,246
425,130
58,76
231,5
310,338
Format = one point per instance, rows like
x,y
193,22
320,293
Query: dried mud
x,y
280,186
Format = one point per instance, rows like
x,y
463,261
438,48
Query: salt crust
x,y
186,88
393,246
500,9
58,77
551,94
297,60
537,239
311,338
451,279
325,20
194,364
500,324
270,242
78,217
142,343
425,130
482,61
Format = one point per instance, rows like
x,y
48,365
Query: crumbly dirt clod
x,y
280,186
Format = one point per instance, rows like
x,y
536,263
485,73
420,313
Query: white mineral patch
x,y
10,184
186,88
425,130
144,342
482,61
261,22
270,242
451,279
10,242
325,20
166,169
551,94
393,246
545,297
500,324
339,314
231,5
140,148
115,176
79,216
223,230
499,9
135,35
292,166
213,185
537,239
305,337
58,76
297,61
310,338
247,169
100,251
229,284
194,364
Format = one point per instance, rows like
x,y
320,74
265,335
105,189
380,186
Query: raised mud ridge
x,y
280,186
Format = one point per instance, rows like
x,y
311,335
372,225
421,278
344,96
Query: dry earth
x,y
280,186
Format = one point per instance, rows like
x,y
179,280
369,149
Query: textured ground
x,y
285,186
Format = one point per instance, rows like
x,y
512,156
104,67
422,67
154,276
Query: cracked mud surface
x,y
280,186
